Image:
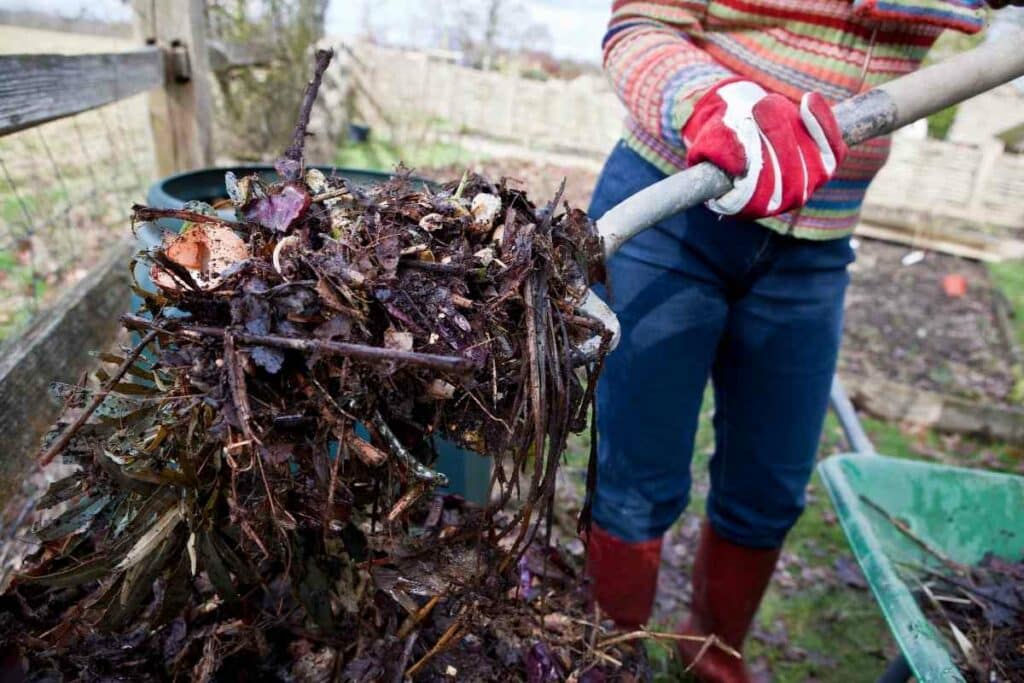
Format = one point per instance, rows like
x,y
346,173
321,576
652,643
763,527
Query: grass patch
x,y
940,122
1009,278
382,155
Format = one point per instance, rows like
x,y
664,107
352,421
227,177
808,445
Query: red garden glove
x,y
778,154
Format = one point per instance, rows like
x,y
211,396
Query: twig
x,y
656,635
431,266
358,351
967,588
416,619
148,213
537,410
405,502
331,194
440,646
342,446
57,446
701,652
239,392
415,467
905,529
406,653
290,163
240,398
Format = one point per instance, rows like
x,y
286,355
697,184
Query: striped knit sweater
x,y
661,56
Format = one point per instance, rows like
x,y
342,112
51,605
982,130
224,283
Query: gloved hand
x,y
777,153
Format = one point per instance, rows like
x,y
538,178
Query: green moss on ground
x,y
1009,278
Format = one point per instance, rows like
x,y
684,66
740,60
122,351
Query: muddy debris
x,y
254,495
980,613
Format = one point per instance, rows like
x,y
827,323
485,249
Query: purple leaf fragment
x,y
269,359
541,667
526,589
280,210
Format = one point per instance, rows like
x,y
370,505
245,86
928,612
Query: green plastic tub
x,y
961,512
468,473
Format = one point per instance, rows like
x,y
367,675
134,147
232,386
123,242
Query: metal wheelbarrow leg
x,y
898,670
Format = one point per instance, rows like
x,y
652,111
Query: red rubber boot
x,y
729,581
624,576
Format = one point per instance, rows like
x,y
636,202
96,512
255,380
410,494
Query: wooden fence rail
x,y
35,89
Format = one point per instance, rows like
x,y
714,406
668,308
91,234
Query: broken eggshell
x,y
281,257
243,190
206,251
316,181
485,208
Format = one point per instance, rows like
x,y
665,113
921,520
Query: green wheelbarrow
x,y
964,513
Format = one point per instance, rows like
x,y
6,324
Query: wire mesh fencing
x,y
66,189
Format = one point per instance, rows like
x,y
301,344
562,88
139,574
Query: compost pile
x,y
981,611
255,497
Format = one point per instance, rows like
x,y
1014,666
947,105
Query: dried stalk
x,y
357,351
147,213
642,634
440,646
416,619
290,163
239,393
405,502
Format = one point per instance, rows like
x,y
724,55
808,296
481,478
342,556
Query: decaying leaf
x,y
256,497
280,208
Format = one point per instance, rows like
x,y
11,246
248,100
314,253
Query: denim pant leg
x,y
672,312
772,378
649,397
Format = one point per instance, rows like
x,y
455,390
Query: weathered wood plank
x,y
57,347
917,240
898,402
39,88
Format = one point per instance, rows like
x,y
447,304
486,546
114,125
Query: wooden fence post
x,y
179,112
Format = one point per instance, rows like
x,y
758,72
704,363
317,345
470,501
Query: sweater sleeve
x,y
654,65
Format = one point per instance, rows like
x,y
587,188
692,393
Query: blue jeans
x,y
758,312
